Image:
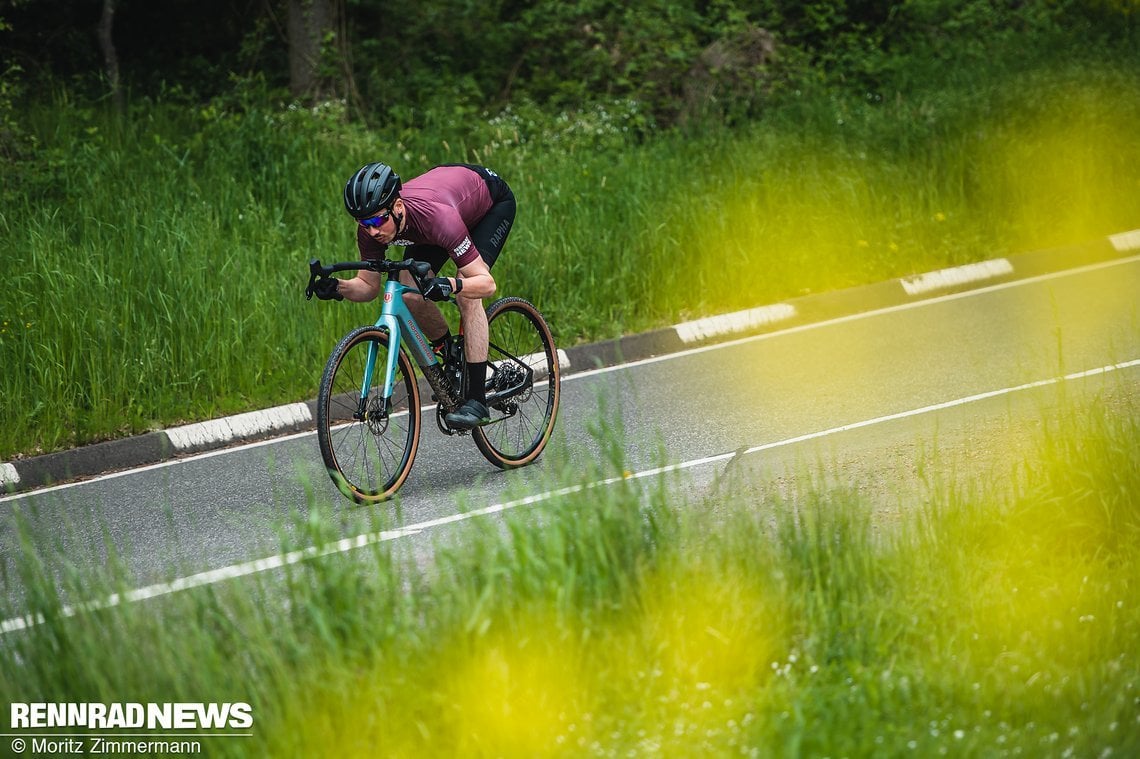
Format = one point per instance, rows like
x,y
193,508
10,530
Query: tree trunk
x,y
309,23
110,57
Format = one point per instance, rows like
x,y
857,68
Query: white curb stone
x,y
9,475
960,275
1126,241
702,329
238,427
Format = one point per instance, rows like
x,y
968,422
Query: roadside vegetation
x,y
738,620
155,257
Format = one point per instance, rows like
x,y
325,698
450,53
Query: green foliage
x,y
453,60
12,135
156,263
16,145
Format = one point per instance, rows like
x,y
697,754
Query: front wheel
x,y
523,384
368,445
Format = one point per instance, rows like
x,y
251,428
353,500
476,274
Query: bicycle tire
x,y
368,459
521,425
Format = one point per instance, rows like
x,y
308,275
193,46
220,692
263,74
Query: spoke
x,y
371,462
517,342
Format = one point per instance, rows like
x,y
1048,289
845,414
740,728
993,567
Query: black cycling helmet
x,y
372,187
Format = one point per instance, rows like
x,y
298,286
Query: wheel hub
x,y
512,375
377,417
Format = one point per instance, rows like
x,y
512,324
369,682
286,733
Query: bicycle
x,y
368,404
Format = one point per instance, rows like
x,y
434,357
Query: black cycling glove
x,y
327,289
438,289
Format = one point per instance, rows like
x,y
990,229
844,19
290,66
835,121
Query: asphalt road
x,y
862,398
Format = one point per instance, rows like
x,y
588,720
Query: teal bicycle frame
x,y
398,321
403,330
366,442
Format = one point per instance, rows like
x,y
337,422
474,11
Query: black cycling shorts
x,y
489,235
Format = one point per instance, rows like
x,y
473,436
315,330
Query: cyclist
x,y
459,211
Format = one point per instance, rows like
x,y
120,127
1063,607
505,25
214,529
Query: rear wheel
x,y
523,385
368,447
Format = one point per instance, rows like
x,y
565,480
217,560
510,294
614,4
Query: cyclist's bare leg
x,y
427,313
474,328
477,285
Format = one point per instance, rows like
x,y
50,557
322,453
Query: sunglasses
x,y
375,221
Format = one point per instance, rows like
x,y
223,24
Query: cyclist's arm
x,y
363,287
477,280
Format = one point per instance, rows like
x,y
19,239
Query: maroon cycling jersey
x,y
441,206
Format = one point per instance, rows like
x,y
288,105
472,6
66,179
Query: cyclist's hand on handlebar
x,y
327,289
438,289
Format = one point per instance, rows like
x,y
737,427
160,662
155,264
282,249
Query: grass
x,y
155,268
632,619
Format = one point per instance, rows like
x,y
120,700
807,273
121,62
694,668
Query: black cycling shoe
x,y
471,414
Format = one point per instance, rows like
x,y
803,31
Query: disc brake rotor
x,y
377,420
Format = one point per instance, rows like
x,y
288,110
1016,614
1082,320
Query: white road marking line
x,y
853,318
948,404
345,545
633,364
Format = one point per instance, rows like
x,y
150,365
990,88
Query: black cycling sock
x,y
476,376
